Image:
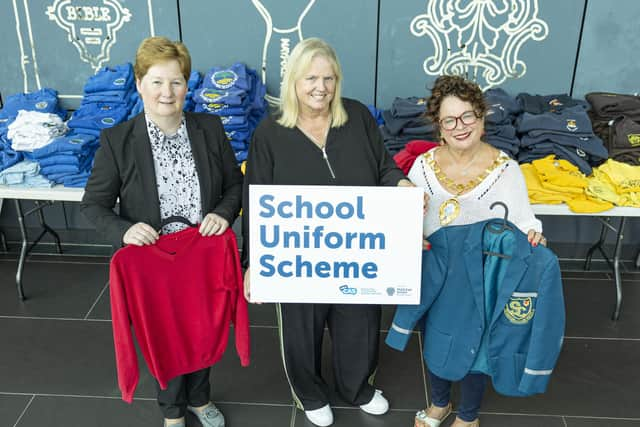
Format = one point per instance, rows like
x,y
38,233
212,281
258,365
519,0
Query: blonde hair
x,y
155,50
297,65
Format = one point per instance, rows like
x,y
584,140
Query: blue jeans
x,y
471,391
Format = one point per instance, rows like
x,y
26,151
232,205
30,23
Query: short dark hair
x,y
459,87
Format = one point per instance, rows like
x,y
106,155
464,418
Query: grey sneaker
x,y
209,416
179,424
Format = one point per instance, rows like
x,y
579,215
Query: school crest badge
x,y
519,310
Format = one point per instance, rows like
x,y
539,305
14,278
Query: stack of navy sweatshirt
x,y
502,111
404,122
559,125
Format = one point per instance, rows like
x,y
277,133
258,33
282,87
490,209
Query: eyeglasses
x,y
450,122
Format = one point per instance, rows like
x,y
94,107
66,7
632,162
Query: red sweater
x,y
180,295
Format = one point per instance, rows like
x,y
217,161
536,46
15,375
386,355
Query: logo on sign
x,y
348,290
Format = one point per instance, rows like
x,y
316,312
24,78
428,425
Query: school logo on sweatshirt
x,y
211,94
42,105
519,310
634,139
213,107
572,126
224,79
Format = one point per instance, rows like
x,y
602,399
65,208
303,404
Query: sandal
x,y
460,423
423,420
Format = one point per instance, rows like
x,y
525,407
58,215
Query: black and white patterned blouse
x,y
176,176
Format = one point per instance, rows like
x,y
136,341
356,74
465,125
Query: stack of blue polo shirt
x,y
502,111
108,98
8,157
67,159
44,100
558,124
194,83
236,94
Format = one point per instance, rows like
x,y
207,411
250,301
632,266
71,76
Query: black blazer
x,y
123,168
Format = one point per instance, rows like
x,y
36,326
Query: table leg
x,y
616,268
46,227
3,241
597,245
23,248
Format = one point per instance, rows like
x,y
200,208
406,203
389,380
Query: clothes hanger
x,y
504,226
499,228
176,218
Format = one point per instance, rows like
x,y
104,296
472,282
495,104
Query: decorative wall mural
x,y
278,42
28,61
91,26
479,39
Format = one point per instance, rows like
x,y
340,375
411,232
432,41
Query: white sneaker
x,y
322,417
378,405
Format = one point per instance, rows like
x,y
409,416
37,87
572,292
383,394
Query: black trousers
x,y
354,332
191,389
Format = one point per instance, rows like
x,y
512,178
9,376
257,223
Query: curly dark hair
x,y
459,87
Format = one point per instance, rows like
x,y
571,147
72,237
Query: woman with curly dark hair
x,y
463,177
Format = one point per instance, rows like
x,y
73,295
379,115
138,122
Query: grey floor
x,y
57,366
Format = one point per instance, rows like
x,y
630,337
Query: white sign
x,y
332,244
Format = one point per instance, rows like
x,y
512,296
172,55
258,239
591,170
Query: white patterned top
x,y
176,176
505,184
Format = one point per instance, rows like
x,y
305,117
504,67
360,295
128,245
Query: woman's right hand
x,y
140,234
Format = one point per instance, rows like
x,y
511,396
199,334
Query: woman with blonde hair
x,y
320,138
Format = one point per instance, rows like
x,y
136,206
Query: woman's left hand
x,y
213,224
536,238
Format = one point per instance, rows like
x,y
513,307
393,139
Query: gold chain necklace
x,y
450,208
